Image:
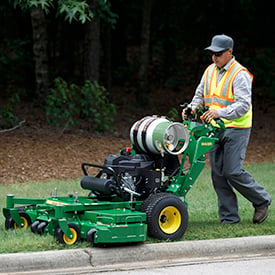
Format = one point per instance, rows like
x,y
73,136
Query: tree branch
x,y
15,127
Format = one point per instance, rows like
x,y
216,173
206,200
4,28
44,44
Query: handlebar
x,y
188,111
198,115
198,112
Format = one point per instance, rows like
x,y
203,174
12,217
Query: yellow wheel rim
x,y
169,220
71,241
24,221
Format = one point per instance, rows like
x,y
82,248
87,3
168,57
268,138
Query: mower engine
x,y
135,172
123,175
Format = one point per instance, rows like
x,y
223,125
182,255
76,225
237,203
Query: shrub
x,y
68,104
8,117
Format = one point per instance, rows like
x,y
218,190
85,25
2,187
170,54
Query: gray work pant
x,y
226,160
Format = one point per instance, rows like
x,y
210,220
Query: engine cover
x,y
136,172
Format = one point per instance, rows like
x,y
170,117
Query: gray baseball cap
x,y
220,43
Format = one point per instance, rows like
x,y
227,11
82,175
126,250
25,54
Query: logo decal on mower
x,y
51,202
206,144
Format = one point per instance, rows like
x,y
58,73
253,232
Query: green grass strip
x,y
202,208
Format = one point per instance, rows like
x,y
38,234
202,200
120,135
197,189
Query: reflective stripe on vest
x,y
222,95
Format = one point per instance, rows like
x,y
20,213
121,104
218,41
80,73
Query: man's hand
x,y
209,115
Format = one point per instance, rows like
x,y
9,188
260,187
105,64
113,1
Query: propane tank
x,y
158,135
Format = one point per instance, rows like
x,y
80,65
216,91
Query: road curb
x,y
165,251
183,249
22,262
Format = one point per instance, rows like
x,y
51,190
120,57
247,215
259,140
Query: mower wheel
x,y
41,227
11,224
34,226
63,239
38,227
167,216
90,236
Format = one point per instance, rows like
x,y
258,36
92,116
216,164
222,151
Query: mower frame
x,y
162,215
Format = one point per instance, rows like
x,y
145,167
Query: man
x,y
226,88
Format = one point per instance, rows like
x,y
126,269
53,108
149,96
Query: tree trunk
x,y
107,60
40,52
91,54
142,93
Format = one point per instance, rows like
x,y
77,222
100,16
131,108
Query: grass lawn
x,y
202,209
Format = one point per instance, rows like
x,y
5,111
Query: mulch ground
x,y
38,154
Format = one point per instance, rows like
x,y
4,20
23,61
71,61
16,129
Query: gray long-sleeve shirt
x,y
242,86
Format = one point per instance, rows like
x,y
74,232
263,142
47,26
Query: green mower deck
x,y
96,221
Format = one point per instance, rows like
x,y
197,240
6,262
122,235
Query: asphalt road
x,y
244,265
247,266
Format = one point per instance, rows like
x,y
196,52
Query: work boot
x,y
260,214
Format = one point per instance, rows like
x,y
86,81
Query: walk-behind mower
x,y
137,192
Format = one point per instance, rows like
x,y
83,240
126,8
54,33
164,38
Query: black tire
x,y
63,239
90,236
167,216
11,224
41,227
34,226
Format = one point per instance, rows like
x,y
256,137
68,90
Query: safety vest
x,y
222,95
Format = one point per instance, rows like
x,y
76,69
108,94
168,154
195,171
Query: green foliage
x,y
263,68
173,114
103,10
8,117
27,4
72,9
75,10
68,104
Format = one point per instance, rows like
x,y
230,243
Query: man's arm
x,y
242,86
